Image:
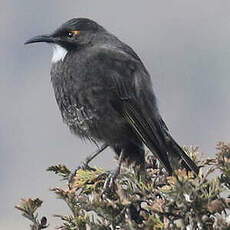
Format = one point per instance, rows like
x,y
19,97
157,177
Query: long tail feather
x,y
147,134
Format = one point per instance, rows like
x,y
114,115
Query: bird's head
x,y
75,33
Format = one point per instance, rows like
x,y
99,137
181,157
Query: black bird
x,y
105,94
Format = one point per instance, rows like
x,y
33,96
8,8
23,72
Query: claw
x,y
85,164
109,182
71,176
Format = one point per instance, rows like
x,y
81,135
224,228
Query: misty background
x,y
185,46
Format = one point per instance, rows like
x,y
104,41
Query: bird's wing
x,y
137,102
143,123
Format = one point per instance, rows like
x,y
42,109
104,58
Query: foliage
x,y
28,208
154,201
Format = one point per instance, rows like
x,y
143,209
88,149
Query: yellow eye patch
x,y
75,32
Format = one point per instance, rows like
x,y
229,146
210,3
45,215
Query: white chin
x,y
59,53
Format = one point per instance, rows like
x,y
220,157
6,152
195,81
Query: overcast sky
x,y
185,45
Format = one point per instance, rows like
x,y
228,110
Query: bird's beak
x,y
41,38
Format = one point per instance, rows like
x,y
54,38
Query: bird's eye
x,y
70,34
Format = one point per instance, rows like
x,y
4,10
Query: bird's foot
x,y
109,181
83,166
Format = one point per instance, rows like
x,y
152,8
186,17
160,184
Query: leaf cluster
x,y
150,201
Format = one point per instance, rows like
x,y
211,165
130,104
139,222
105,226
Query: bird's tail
x,y
154,134
176,153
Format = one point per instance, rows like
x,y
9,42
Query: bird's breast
x,y
86,99
83,100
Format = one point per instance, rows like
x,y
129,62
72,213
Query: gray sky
x,y
185,45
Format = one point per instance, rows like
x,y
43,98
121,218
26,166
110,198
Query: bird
x,y
105,94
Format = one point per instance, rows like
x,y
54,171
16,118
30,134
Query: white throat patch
x,y
58,53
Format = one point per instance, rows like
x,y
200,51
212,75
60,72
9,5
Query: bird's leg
x,y
85,164
112,175
88,159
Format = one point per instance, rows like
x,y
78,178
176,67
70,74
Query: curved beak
x,y
40,38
